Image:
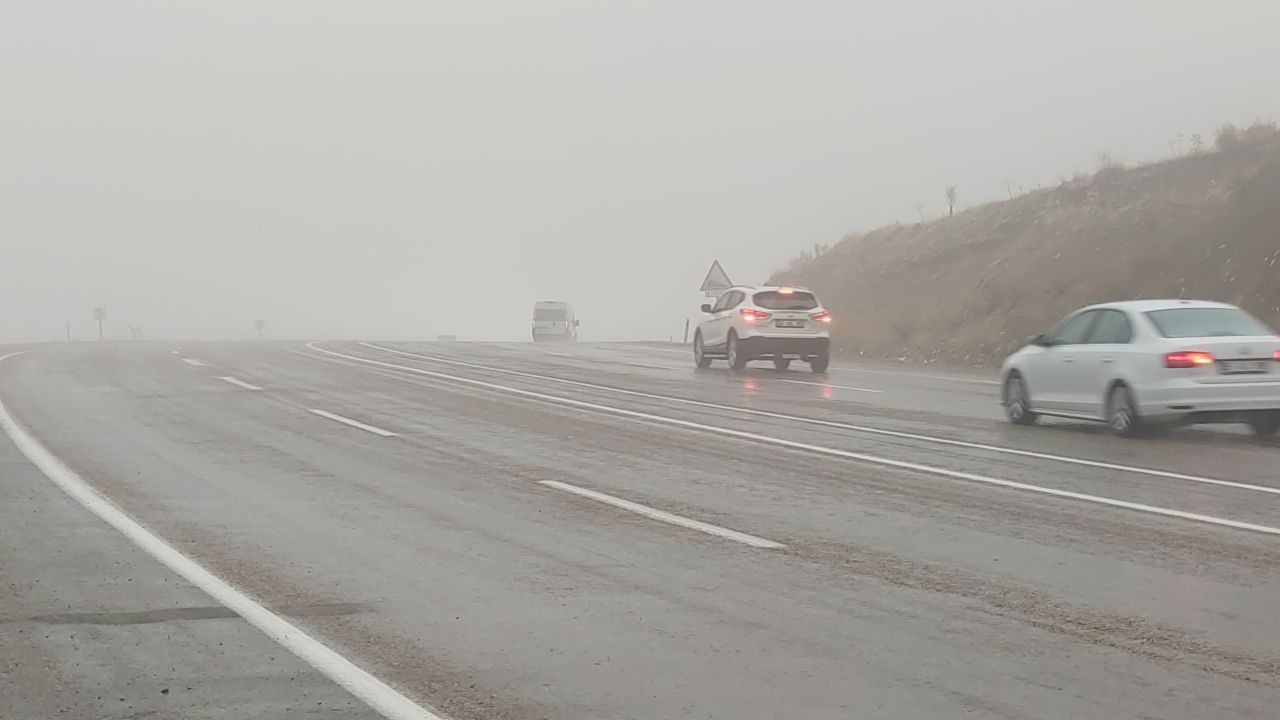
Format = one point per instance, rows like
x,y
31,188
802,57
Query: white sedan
x,y
1148,362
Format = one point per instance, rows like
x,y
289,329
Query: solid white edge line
x,y
238,382
827,385
664,516
352,423
847,426
375,693
823,450
193,362
558,354
647,365
666,350
846,368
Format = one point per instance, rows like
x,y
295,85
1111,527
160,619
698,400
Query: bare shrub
x,y
1228,137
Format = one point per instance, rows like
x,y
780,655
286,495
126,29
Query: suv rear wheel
x,y
737,361
820,363
782,364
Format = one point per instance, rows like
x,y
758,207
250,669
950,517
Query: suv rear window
x,y
774,300
1206,322
545,314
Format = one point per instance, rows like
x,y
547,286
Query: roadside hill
x,y
970,288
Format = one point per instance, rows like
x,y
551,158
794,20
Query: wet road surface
x,y
602,531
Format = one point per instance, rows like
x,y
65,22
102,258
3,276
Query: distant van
x,y
553,320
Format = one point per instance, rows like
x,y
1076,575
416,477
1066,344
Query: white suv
x,y
764,322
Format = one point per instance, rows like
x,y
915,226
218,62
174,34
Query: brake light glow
x,y
1277,356
785,291
751,315
1187,359
822,317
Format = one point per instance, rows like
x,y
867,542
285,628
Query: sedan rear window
x,y
774,300
1206,322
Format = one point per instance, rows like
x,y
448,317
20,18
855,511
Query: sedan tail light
x,y
750,315
1187,359
1277,356
822,317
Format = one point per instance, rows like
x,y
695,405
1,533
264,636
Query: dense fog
x,y
408,169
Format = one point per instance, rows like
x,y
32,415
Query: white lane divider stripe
x,y
193,362
666,517
915,375
847,426
829,451
352,423
829,385
558,354
381,697
238,383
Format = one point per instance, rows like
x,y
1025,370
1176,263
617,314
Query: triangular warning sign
x,y
717,280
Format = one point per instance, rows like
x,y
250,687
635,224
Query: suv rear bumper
x,y
765,346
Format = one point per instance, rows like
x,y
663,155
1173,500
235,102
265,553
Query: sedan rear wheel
x,y
782,364
1266,424
1122,414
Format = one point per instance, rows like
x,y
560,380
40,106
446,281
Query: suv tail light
x,y
751,315
1187,359
1277,356
822,317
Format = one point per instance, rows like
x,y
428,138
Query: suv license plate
x,y
791,323
1239,367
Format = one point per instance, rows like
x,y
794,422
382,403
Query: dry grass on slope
x,y
970,288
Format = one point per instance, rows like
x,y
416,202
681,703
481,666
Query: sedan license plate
x,y
790,323
1241,367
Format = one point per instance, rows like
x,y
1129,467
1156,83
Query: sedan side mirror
x,y
1042,341
576,323
706,308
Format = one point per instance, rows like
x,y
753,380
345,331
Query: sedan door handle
x,y
1068,359
1108,359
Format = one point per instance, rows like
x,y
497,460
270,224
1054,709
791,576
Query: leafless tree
x,y
951,200
920,209
1197,143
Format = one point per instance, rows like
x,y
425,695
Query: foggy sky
x,y
402,169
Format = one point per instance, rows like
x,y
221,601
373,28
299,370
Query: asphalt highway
x,y
593,531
